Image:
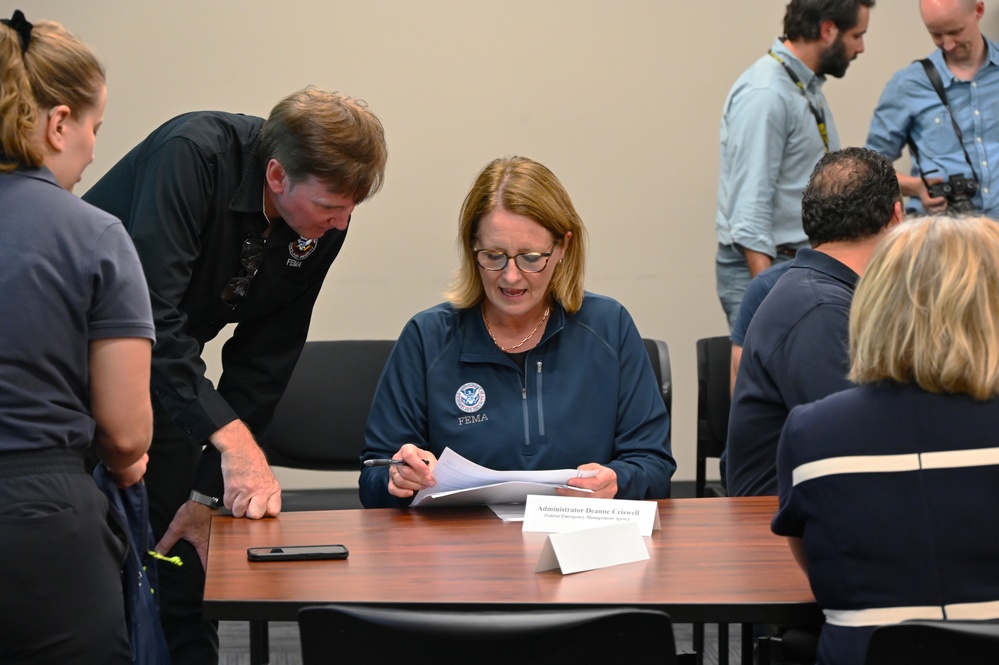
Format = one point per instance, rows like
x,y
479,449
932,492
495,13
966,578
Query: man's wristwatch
x,y
211,501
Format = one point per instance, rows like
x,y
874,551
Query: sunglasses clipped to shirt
x,y
251,255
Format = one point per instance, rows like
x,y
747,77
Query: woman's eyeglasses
x,y
491,259
250,257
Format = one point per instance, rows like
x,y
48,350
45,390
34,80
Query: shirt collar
x,y
822,262
249,195
42,173
993,57
801,70
937,58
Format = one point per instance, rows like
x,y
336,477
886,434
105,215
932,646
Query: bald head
x,y
954,27
942,9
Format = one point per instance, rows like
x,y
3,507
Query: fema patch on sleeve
x,y
470,397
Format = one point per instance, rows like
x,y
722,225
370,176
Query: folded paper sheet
x,y
597,547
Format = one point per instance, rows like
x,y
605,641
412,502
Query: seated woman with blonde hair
x,y
888,490
521,368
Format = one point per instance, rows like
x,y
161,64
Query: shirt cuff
x,y
756,244
208,477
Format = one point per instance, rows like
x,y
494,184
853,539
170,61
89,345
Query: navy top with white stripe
x,y
894,491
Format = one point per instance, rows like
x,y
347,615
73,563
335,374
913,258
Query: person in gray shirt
x,y
75,349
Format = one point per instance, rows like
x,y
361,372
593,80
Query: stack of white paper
x,y
461,482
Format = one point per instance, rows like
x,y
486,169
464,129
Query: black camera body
x,y
958,191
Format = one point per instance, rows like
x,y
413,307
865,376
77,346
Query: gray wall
x,y
621,99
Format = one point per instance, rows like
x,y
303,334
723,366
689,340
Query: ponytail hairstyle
x,y
41,66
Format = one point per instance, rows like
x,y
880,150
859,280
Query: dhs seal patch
x,y
470,397
301,248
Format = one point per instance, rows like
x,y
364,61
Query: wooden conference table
x,y
715,561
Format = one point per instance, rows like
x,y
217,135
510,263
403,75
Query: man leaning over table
x,y
236,220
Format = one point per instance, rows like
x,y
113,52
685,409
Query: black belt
x,y
787,250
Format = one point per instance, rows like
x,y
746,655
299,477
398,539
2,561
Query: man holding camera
x,y
775,126
946,109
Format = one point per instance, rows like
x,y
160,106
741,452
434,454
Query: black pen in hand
x,y
388,462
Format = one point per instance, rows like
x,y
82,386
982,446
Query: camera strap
x,y
820,114
937,83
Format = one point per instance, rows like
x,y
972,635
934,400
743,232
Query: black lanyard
x,y
938,87
820,114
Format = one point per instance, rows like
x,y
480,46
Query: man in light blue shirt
x,y
775,126
968,65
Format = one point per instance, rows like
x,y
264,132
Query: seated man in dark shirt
x,y
757,290
796,346
756,293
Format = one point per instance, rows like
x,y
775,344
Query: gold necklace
x,y
508,349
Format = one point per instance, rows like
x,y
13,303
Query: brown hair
x,y
523,187
55,68
329,136
927,308
803,19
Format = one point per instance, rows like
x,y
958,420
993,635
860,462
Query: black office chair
x,y
348,635
933,642
659,356
319,423
714,356
791,645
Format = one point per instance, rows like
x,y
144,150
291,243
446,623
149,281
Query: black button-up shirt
x,y
189,195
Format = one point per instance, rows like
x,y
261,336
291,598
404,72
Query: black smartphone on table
x,y
297,553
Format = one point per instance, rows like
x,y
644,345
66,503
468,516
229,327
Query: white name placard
x,y
611,544
556,514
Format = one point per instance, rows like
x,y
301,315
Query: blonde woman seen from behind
x,y
887,489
